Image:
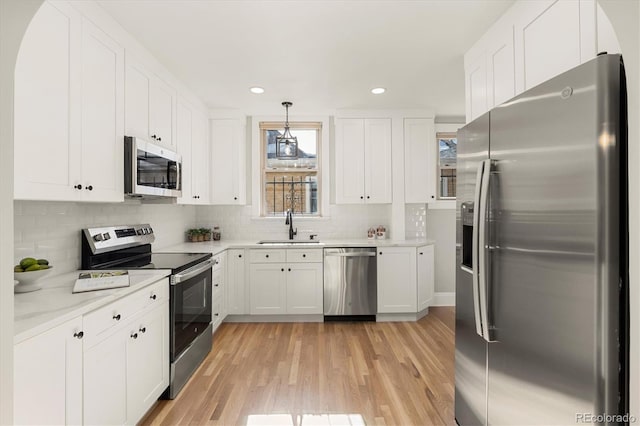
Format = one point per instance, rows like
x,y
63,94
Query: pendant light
x,y
286,144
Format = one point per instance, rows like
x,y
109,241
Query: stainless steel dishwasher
x,y
350,283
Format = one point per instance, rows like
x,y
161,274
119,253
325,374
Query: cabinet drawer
x,y
120,311
266,256
218,280
304,255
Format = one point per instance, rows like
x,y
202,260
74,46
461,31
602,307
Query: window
x,y
291,184
447,154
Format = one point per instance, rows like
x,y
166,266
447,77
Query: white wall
x,y
343,221
15,15
441,227
51,230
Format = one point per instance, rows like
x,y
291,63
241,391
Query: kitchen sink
x,y
288,242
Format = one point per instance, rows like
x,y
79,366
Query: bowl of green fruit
x,y
28,272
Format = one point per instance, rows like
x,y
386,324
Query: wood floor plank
x,y
381,373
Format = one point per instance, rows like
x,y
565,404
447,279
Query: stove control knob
x,y
106,236
98,237
139,231
150,229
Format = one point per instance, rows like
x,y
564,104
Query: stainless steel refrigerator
x,y
542,273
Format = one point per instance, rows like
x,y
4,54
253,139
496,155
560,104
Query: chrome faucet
x,y
289,222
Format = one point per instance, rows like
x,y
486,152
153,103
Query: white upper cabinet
x,y
150,105
419,160
551,39
200,156
102,115
228,162
69,110
363,161
161,105
531,43
193,145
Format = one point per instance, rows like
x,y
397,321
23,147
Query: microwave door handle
x,y
179,176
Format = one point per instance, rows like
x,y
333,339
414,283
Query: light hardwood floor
x,y
276,373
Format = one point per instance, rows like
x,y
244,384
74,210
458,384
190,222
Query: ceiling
x,y
319,54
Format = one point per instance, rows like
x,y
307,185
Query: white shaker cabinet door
x,y
47,376
426,276
547,33
377,161
476,86
47,110
419,160
267,282
137,86
102,116
397,280
236,282
349,161
147,361
200,157
304,288
228,162
105,382
161,112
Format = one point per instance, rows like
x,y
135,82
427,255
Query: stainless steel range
x,y
129,247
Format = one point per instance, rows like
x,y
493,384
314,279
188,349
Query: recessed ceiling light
x,y
378,90
257,90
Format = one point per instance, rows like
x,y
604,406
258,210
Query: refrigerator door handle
x,y
475,248
482,269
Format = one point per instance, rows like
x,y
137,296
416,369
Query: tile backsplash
x,y
51,230
343,221
415,221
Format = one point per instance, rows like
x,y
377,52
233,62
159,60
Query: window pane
x,y
447,148
307,149
296,190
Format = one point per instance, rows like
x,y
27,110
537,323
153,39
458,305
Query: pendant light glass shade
x,y
286,143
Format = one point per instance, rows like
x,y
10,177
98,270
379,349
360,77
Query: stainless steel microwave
x,y
151,170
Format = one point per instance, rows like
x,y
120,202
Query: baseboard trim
x,y
275,318
444,299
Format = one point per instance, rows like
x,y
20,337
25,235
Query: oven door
x,y
151,169
190,307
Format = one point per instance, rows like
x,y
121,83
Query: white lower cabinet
x,y
268,287
426,276
219,302
304,288
405,279
396,280
105,381
147,361
47,377
125,373
236,282
291,287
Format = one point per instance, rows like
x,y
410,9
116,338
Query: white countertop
x,y
216,247
55,304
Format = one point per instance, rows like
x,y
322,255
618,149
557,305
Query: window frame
x,y
264,125
444,134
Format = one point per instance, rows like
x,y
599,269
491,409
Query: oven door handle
x,y
192,272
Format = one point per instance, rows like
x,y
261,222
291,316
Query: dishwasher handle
x,y
358,254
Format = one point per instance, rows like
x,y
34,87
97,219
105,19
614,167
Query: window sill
x,y
443,205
